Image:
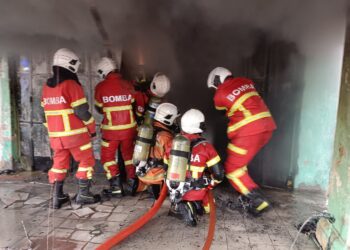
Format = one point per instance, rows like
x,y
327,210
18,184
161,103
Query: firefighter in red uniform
x,y
250,128
114,98
152,173
204,170
70,127
148,101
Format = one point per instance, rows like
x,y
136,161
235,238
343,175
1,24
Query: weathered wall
x,y
322,74
339,184
5,118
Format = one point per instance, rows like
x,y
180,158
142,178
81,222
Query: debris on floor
x,y
27,222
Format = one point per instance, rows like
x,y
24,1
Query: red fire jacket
x,y
116,97
65,129
246,110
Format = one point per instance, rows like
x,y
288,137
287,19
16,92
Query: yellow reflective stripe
x,y
197,168
68,133
89,171
262,206
78,102
86,146
104,144
59,112
91,120
117,108
42,104
247,121
129,162
98,104
235,175
220,108
45,124
207,209
109,163
138,113
118,127
58,171
66,122
245,111
132,100
131,116
236,149
166,161
213,161
240,101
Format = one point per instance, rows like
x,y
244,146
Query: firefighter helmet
x,y
160,85
192,122
217,76
166,113
66,59
105,66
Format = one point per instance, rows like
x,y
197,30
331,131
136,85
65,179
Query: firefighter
x,y
204,170
151,173
250,128
149,100
70,127
114,98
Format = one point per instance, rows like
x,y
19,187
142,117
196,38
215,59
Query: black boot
x,y
131,186
189,213
155,191
59,198
84,195
257,202
199,207
116,188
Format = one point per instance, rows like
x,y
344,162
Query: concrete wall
x,y
337,236
322,74
5,118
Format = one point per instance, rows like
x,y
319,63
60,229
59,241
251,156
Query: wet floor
x,y
27,222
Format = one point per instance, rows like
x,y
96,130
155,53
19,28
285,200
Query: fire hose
x,y
119,237
212,221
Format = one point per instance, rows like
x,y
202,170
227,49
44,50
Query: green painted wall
x,y
339,184
5,118
322,76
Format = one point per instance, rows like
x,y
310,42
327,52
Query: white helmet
x,y
192,122
160,85
166,113
66,59
217,76
105,66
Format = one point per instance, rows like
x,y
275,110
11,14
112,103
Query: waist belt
x,y
199,183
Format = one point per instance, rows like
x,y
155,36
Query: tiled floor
x,y
63,229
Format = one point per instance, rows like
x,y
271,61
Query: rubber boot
x,y
59,198
155,191
115,187
199,207
84,195
189,213
257,202
131,186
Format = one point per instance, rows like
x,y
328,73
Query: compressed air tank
x,y
153,104
179,158
143,143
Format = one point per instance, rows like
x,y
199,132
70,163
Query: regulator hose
x,y
212,221
119,237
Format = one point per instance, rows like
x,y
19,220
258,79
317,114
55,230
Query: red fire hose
x,y
212,221
116,239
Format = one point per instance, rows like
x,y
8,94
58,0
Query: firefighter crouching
x,y
250,128
193,168
114,98
152,147
147,101
70,127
